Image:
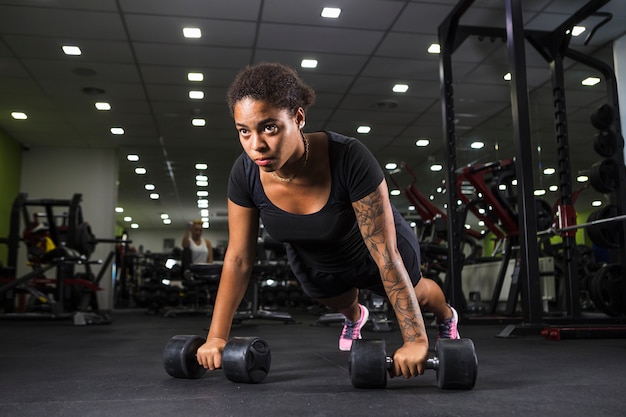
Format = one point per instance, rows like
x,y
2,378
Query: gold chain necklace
x,y
305,140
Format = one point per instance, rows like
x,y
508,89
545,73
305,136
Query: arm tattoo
x,y
370,215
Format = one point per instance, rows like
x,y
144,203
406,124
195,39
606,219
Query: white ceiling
x,y
134,51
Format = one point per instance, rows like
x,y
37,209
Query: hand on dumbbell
x,y
209,355
409,360
455,363
243,359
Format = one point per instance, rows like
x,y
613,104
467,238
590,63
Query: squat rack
x,y
553,46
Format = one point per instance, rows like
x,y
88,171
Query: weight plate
x,y
458,364
605,235
603,117
368,364
246,360
605,143
179,357
607,291
604,175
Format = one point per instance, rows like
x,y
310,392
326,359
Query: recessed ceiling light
x,y
140,171
154,196
553,188
202,183
582,178
198,122
308,63
202,193
578,30
422,142
395,192
331,12
539,192
194,33
132,157
71,50
196,95
18,115
596,203
128,219
201,166
589,81
195,76
507,76
167,221
119,209
363,129
549,171
134,226
117,130
149,187
202,178
400,88
165,216
477,145
103,105
436,167
434,48
391,165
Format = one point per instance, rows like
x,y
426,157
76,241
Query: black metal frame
x,y
553,46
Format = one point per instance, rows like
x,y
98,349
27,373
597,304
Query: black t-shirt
x,y
329,240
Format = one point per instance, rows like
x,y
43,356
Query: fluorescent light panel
x,y
331,12
71,50
192,33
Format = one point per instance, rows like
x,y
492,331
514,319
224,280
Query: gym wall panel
x,y
10,170
59,173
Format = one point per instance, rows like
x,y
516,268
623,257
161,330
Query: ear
x,y
300,117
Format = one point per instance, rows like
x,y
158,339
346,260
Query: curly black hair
x,y
274,83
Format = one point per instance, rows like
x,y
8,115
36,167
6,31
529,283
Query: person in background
x,y
200,249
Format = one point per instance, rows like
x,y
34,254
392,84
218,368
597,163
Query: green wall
x,y
10,172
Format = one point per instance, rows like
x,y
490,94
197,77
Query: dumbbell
x,y
244,359
455,362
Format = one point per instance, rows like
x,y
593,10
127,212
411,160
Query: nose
x,y
257,143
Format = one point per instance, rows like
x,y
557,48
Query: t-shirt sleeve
x,y
238,185
363,173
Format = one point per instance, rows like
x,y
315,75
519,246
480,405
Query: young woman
x,y
325,196
200,248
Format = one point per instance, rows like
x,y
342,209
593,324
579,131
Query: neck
x,y
304,159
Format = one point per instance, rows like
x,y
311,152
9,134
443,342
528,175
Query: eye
x,y
270,128
243,132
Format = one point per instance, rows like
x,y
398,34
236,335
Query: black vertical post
x,y
529,275
448,42
570,273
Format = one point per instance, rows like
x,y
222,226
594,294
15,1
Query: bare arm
x,y
243,225
375,218
185,240
209,256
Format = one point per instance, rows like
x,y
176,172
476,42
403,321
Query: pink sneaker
x,y
352,330
448,328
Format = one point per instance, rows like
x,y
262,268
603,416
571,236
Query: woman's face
x,y
196,230
267,133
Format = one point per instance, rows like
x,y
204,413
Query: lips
x,y
263,162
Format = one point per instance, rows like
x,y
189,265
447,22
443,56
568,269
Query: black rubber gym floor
x,y
53,368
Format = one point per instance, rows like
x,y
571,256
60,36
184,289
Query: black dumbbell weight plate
x,y
458,364
368,364
179,356
246,360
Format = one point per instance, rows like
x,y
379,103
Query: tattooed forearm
x,y
378,232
